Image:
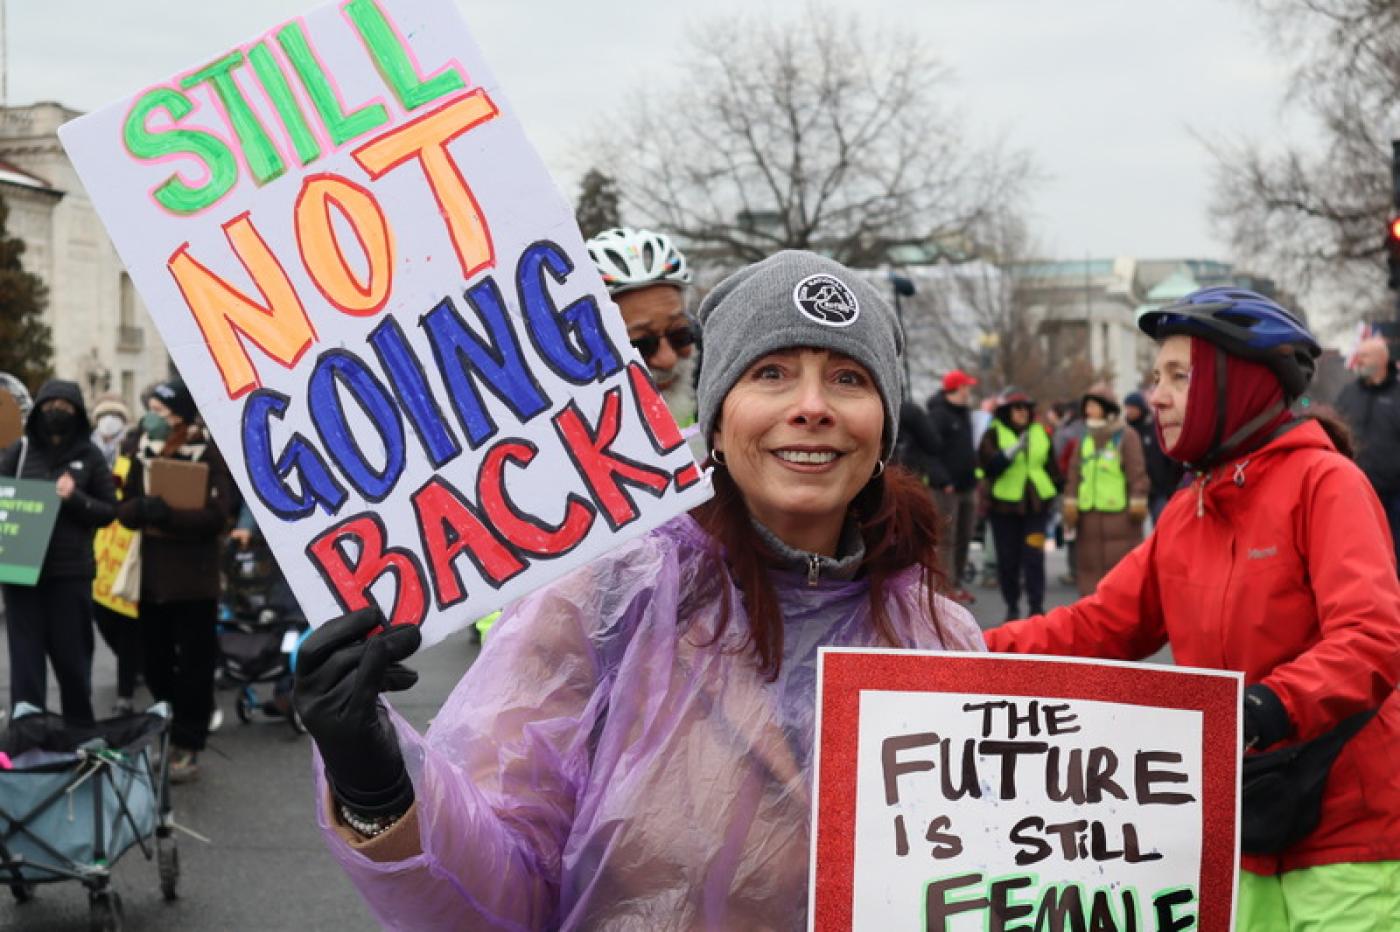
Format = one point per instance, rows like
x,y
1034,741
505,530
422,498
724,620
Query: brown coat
x,y
183,564
1104,538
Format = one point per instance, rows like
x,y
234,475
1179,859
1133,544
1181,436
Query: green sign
x,y
28,509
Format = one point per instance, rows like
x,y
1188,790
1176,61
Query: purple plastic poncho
x,y
602,766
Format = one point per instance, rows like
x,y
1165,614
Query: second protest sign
x,y
959,791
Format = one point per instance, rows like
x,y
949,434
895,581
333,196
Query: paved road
x,y
264,867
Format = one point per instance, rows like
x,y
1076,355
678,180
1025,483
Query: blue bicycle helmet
x,y
1243,323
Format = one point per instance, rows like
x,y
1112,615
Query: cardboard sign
x,y
182,484
973,791
386,314
11,421
28,510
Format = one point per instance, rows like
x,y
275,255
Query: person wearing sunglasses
x,y
646,275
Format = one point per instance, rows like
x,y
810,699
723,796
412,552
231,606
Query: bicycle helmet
x,y
1243,323
629,259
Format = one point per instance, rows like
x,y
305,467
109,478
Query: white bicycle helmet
x,y
629,259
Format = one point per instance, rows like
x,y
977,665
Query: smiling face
x,y
800,434
1171,380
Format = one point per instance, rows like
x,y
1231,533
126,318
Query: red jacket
x,y
1279,565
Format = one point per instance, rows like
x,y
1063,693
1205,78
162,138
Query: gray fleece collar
x,y
843,567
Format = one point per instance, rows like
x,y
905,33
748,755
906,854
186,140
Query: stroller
x,y
75,798
260,628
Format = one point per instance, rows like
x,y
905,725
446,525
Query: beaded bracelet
x,y
368,827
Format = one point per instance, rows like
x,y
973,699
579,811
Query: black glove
x,y
340,673
154,510
1265,721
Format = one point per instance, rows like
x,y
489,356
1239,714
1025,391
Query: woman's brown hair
x,y
898,523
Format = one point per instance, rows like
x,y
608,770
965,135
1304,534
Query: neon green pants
x,y
1362,897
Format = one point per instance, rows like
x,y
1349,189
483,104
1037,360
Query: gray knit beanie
x,y
797,299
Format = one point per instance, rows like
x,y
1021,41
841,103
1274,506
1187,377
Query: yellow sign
x,y
110,547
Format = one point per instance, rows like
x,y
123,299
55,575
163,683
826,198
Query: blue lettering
x,y
338,367
410,385
462,357
593,358
317,484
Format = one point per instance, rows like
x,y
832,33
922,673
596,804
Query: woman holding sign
x,y
1275,563
635,746
51,620
179,566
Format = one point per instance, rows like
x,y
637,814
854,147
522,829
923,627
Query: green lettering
x,y
263,159
269,73
175,194
393,61
341,126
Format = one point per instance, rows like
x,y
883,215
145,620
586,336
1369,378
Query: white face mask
x,y
109,425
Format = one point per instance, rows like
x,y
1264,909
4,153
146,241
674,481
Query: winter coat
x,y
1373,413
605,764
1164,474
994,462
181,563
1104,538
1279,565
93,502
956,461
918,444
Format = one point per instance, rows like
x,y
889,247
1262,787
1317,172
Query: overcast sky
x,y
1108,95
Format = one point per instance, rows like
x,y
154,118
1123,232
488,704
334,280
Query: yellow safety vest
x,y
1102,485
1028,464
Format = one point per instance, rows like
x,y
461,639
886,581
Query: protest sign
x,y
110,546
967,791
386,314
28,510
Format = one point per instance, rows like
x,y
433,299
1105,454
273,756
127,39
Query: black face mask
x,y
58,422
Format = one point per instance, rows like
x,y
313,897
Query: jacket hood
x,y
68,391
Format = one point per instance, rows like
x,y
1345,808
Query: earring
x,y
717,457
879,469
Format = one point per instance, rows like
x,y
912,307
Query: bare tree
x,y
824,132
988,317
1316,217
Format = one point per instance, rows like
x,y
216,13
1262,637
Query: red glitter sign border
x,y
845,674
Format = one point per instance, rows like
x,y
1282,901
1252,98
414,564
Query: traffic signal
x,y
1392,252
1392,230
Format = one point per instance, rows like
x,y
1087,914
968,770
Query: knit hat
x,y
175,396
797,299
110,404
1136,399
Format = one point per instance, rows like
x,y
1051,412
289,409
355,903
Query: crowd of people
x,y
634,746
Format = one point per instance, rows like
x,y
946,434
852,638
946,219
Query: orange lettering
x,y
279,326
320,247
426,139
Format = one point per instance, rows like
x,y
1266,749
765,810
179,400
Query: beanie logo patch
x,y
826,300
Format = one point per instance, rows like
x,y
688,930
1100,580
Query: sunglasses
x,y
679,338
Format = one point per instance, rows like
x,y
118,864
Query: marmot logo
x,y
826,300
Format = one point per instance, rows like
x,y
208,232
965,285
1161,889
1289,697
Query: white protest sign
x,y
1011,792
386,314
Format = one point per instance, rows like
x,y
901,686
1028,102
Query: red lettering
x,y
661,426
604,472
525,531
351,582
449,528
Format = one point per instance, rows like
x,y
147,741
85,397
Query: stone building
x,y
103,338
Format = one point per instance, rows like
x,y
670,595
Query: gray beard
x,y
680,395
